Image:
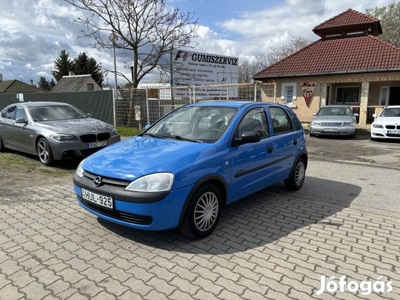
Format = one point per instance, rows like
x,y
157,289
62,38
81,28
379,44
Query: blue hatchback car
x,y
182,170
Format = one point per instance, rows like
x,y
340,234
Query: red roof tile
x,y
357,54
348,18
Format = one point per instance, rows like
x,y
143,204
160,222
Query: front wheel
x,y
44,152
203,212
297,176
1,145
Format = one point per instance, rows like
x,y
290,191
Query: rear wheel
x,y
203,212
44,152
297,176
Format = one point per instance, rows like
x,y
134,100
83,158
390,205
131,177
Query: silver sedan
x,y
53,131
334,120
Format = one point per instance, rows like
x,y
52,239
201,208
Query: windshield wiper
x,y
180,138
151,134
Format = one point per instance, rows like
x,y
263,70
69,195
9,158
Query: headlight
x,y
377,125
79,169
158,182
63,137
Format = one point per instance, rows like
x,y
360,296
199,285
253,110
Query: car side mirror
x,y
356,114
21,121
89,115
247,137
374,115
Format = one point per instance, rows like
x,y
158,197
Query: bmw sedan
x,y
387,124
181,171
53,131
334,120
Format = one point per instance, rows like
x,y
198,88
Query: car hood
x,y
387,120
334,118
138,156
76,126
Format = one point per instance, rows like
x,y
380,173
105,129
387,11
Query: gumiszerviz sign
x,y
307,88
201,69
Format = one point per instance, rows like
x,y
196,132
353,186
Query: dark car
x,y
187,166
53,131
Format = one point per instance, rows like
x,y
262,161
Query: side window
x,y
280,120
296,121
255,120
20,113
10,113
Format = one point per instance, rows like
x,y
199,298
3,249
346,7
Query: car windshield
x,y
334,111
391,112
194,123
55,113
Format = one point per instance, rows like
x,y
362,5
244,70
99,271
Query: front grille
x,y
90,138
332,124
126,217
106,180
392,126
103,136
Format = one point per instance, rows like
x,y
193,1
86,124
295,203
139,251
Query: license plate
x,y
97,144
393,132
101,200
330,129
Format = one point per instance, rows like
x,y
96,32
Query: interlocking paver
x,y
53,249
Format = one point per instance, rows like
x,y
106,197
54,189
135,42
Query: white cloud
x,y
32,38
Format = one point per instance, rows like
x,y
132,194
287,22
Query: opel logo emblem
x,y
97,181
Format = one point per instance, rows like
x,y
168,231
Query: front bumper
x,y
382,133
65,150
157,215
340,130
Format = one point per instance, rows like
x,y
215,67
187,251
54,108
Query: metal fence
x,y
138,107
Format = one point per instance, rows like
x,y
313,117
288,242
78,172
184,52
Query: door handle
x,y
270,149
295,142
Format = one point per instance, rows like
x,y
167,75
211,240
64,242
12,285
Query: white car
x,y
386,124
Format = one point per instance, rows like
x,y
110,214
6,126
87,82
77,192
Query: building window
x,y
288,92
348,94
384,96
90,86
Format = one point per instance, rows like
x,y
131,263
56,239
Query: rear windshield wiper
x,y
180,138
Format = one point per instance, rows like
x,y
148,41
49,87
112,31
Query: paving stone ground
x,y
268,246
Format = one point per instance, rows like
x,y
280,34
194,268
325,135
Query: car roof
x,y
337,105
392,106
42,103
229,103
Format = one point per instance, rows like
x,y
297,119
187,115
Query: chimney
x,y
71,73
1,77
31,81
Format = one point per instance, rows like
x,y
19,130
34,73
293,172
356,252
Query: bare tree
x,y
147,28
248,68
277,54
390,21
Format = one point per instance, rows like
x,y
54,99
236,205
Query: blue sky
x,y
31,39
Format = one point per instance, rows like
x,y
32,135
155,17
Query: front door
x,y
394,97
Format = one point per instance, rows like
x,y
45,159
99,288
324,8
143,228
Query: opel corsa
x,y
181,171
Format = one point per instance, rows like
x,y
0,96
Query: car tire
x,y
297,176
1,145
44,152
203,212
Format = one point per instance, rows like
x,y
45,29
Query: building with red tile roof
x,y
349,64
